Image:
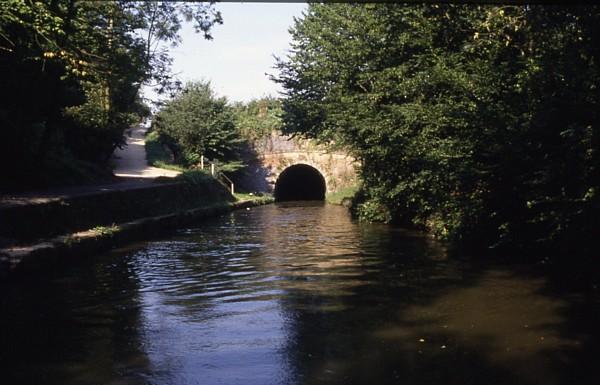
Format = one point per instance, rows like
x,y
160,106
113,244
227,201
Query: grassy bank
x,y
157,155
338,197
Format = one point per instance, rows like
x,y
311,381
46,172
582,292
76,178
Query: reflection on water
x,y
294,294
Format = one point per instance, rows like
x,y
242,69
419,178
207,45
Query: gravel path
x,y
131,162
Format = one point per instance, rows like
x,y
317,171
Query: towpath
x,y
131,171
131,161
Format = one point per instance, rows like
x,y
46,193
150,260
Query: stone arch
x,y
276,153
300,182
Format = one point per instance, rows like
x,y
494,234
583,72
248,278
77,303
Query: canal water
x,y
295,294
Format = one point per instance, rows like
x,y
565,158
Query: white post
x,y
201,162
232,190
212,169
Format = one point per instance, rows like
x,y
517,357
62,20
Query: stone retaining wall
x,y
54,252
26,223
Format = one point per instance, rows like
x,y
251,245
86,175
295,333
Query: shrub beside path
x,y
130,162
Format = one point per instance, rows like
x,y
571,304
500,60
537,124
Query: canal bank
x,y
42,235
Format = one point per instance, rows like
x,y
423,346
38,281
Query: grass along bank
x,y
338,197
157,155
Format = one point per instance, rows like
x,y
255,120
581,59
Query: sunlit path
x,y
131,161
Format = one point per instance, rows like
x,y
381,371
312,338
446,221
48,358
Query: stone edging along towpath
x,y
58,250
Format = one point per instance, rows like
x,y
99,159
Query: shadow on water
x,y
397,310
298,294
75,327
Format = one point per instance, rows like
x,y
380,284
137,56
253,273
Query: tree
x,y
258,118
196,122
160,22
70,75
478,123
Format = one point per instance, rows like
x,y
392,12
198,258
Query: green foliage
x,y
106,230
158,154
70,72
259,199
479,123
339,196
244,196
258,118
195,177
230,167
196,122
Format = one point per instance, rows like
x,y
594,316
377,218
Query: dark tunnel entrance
x,y
300,182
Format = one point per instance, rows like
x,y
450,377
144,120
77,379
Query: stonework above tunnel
x,y
276,153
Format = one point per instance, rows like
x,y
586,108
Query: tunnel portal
x,y
300,182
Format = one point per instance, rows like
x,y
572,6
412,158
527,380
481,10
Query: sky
x,y
240,55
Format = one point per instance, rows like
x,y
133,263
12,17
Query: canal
x,y
295,294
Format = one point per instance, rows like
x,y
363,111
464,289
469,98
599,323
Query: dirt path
x,y
131,162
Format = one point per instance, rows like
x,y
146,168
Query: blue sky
x,y
241,51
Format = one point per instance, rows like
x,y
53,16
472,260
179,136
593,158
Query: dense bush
x,y
479,123
258,118
197,123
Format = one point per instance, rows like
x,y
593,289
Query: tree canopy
x,y
198,123
477,122
70,74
